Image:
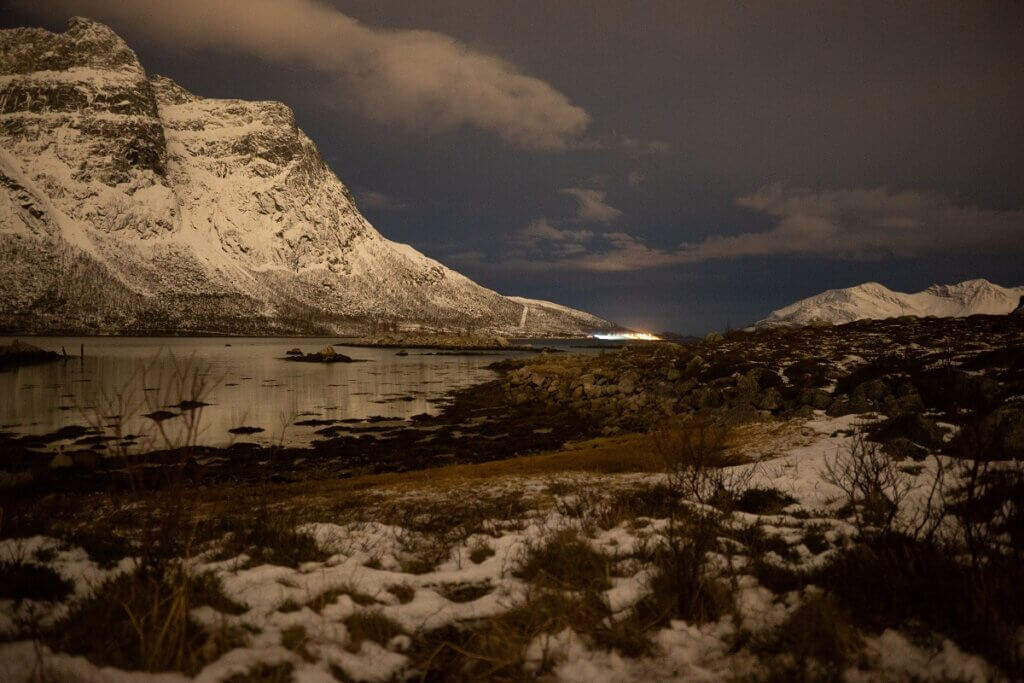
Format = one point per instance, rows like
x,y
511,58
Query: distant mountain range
x,y
128,204
874,301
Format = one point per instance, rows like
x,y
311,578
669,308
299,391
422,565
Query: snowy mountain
x,y
130,204
874,301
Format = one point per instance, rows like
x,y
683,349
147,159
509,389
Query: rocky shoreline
x,y
475,425
923,386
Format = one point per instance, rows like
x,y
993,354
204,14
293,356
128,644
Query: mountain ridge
x,y
872,300
129,204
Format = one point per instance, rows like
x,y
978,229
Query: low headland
x,y
440,342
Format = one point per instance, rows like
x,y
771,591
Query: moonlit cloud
x,y
541,230
859,224
592,207
842,224
420,80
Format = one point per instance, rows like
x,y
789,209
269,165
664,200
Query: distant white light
x,y
632,336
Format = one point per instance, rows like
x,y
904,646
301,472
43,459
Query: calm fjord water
x,y
248,385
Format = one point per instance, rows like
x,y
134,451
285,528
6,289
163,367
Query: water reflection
x,y
245,382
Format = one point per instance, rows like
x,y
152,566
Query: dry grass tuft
x,y
565,561
403,591
140,621
480,552
465,592
370,625
267,537
331,595
816,643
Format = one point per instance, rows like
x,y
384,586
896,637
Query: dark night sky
x,y
663,163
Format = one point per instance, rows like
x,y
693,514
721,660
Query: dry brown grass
x,y
370,625
141,621
621,454
309,500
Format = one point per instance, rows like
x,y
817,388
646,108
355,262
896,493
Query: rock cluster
x,y
907,373
643,383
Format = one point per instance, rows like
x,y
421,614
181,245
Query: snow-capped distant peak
x,y
872,300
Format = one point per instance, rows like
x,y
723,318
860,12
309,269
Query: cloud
x,y
592,207
417,79
542,240
636,178
623,253
842,224
541,230
866,224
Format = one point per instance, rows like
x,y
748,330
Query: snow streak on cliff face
x,y
874,301
129,204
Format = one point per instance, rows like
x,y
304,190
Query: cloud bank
x,y
416,79
841,224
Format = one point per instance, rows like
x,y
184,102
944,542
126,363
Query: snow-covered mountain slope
x,y
544,315
874,301
130,204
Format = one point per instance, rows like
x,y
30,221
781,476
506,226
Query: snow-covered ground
x,y
368,572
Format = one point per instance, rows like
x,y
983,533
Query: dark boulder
x,y
999,435
915,427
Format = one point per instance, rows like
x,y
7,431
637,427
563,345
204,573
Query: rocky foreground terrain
x,y
130,205
818,503
915,371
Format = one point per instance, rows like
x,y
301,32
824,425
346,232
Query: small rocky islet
x,y
325,355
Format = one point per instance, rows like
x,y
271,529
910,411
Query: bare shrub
x,y
965,585
181,385
699,468
876,490
986,505
681,586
